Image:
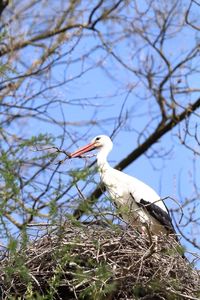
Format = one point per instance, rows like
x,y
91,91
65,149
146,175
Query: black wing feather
x,y
159,214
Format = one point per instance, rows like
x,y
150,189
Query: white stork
x,y
139,204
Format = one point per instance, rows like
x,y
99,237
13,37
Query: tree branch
x,y
3,4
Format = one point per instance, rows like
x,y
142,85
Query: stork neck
x,y
102,162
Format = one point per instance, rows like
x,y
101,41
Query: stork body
x,y
138,203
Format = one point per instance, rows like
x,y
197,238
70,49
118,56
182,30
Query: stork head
x,y
100,142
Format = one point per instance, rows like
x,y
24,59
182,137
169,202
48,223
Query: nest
x,y
97,262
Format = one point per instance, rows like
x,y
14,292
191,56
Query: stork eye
x,y
98,138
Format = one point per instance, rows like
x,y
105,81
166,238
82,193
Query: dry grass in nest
x,y
95,262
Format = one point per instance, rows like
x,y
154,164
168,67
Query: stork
x,y
138,203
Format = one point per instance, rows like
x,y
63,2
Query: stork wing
x,y
159,214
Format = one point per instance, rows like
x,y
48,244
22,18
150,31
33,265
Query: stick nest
x,y
96,262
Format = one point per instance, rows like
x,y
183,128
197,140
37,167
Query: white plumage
x,y
138,203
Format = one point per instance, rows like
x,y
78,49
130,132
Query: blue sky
x,y
170,176
100,94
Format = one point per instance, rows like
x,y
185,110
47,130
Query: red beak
x,y
83,150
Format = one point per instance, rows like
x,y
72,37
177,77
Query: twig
x,y
182,295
